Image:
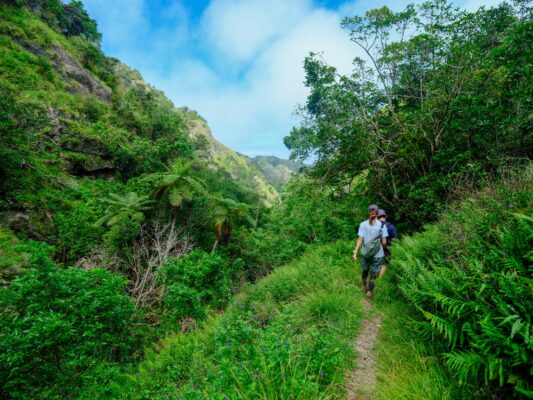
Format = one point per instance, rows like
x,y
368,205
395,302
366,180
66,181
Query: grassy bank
x,y
288,336
408,367
462,327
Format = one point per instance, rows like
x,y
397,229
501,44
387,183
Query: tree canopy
x,y
438,99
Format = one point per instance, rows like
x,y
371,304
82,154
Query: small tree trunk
x,y
214,246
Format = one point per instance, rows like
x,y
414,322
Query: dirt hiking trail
x,y
361,381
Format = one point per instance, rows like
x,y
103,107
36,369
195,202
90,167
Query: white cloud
x,y
241,67
473,5
239,29
253,115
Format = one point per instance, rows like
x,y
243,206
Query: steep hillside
x,y
210,151
121,217
219,157
277,171
75,116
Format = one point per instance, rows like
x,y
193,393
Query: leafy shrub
x,y
76,233
182,301
310,214
208,274
56,322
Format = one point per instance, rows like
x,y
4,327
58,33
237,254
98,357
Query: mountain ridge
x,y
277,171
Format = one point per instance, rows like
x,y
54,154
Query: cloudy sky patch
x,y
239,63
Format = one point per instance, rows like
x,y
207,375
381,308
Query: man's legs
x,y
386,261
366,268
374,272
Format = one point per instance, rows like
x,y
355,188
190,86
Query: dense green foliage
x,y
288,336
310,214
56,322
469,276
128,235
440,101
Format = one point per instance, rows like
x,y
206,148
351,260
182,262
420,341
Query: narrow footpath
x,y
361,381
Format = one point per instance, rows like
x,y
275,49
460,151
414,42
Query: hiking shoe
x,y
369,295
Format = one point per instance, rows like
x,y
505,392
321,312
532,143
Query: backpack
x,y
371,248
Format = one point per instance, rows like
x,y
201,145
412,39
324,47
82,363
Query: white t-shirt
x,y
369,232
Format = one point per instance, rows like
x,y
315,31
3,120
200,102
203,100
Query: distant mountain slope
x,y
214,154
276,171
218,156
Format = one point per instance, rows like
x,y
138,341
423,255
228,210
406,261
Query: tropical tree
x,y
436,101
123,216
226,213
177,184
131,206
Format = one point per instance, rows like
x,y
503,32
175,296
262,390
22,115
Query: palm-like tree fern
x,y
225,213
178,184
129,206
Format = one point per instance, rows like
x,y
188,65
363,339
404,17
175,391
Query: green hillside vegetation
x,y
141,259
237,166
276,171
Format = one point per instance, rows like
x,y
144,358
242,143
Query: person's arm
x,y
384,235
357,246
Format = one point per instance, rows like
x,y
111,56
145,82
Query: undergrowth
x,y
468,278
287,337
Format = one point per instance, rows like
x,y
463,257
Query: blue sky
x,y
237,62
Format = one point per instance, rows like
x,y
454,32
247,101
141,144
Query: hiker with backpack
x,y
372,236
393,235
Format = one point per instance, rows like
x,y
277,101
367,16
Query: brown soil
x,y
361,381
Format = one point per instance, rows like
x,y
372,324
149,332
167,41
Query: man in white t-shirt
x,y
370,230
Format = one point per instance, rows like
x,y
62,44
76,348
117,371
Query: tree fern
x,y
122,207
178,184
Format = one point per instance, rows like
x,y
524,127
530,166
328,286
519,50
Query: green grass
x,y
287,337
407,367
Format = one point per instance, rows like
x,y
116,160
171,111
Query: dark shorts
x,y
373,264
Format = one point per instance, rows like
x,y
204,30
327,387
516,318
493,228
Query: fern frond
x,y
175,197
465,365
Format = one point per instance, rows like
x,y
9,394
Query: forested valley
x,y
142,259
